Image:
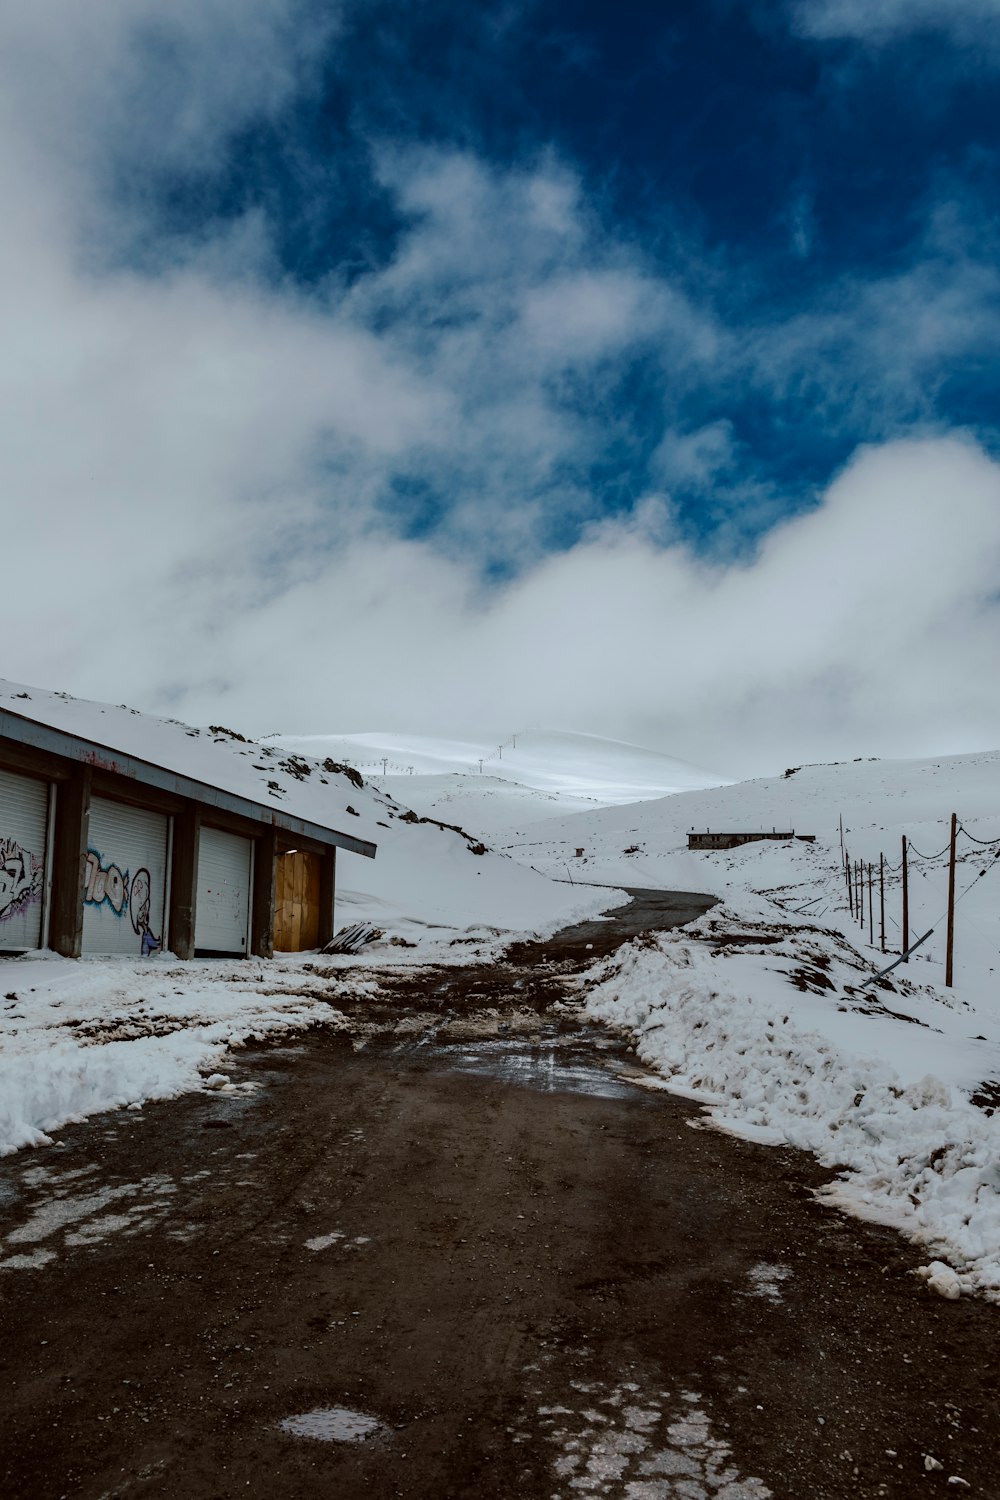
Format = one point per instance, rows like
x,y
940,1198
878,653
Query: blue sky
x,y
797,181
480,343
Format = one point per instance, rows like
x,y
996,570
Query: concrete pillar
x,y
327,895
184,881
262,905
69,857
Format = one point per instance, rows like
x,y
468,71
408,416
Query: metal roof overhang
x,y
38,736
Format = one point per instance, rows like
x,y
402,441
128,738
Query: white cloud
x,y
870,625
869,352
695,457
195,465
880,20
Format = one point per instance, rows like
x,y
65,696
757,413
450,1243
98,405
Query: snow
x,y
81,1036
836,1073
425,882
502,790
879,802
77,1037
782,1035
767,1011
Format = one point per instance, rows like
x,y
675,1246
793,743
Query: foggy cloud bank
x,y
197,455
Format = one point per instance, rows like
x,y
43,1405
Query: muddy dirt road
x,y
467,1254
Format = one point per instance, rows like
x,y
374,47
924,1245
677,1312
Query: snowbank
x,y
80,1037
782,1042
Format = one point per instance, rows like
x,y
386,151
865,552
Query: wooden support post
x,y
949,967
906,906
69,856
859,893
850,893
184,881
881,898
327,896
262,914
871,911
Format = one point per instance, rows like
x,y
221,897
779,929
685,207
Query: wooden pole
x,y
847,876
842,835
906,906
860,892
949,967
871,912
881,898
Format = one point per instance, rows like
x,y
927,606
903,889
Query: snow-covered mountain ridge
x,y
578,770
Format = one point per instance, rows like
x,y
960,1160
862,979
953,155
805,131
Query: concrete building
x,y
103,852
711,841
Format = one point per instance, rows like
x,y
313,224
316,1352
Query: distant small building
x,y
710,841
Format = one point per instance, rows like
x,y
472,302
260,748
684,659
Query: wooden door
x,y
297,901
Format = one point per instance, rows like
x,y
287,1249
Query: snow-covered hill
x,y
424,880
504,790
769,1010
879,801
81,1036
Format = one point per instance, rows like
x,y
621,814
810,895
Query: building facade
x,y
709,841
105,853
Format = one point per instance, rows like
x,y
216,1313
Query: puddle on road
x,y
332,1424
549,1064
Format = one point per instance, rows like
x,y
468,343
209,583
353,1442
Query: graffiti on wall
x,y
138,906
104,885
125,895
20,878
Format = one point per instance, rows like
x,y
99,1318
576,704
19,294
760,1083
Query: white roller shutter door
x,y
24,803
222,924
125,882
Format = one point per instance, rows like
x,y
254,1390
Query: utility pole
x,y
871,913
847,876
906,906
949,967
842,835
385,762
881,898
